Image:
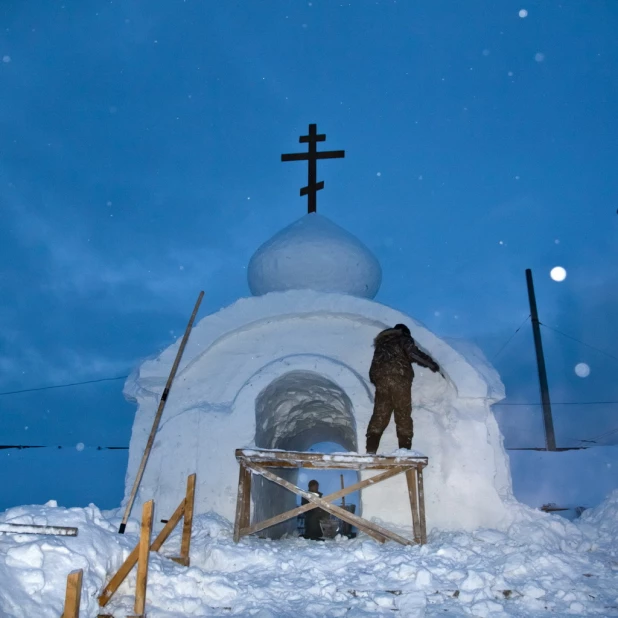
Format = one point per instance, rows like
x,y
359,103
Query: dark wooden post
x,y
550,437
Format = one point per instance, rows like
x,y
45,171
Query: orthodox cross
x,y
312,188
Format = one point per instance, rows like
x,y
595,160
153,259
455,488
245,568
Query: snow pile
x,y
314,253
539,566
601,524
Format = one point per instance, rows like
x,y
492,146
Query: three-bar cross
x,y
312,157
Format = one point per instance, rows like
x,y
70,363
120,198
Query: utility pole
x,y
550,438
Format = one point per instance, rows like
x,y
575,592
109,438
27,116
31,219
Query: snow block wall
x,y
287,370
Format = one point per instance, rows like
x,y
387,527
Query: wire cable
x,y
562,403
510,339
581,342
45,388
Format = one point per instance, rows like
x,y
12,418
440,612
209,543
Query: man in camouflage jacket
x,y
391,373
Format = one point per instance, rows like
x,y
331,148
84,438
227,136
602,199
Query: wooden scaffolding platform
x,y
261,461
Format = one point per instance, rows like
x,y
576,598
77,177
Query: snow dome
x,y
316,254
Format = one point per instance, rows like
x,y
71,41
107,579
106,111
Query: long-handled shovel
x,y
157,418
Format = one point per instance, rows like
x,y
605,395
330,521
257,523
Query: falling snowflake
x,y
6,59
108,203
539,57
557,273
485,52
523,13
582,370
379,174
79,446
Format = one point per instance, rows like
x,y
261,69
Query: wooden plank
x,y
329,498
370,528
243,501
421,506
297,459
131,560
142,561
187,525
36,529
167,529
73,594
412,493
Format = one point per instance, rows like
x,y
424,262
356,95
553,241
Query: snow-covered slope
x,y
542,565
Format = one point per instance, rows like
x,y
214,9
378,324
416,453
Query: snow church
x,y
287,368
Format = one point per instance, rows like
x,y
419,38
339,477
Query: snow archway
x,y
294,412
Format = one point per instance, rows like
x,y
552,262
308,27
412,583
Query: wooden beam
x,y
345,461
73,594
267,523
412,493
373,529
36,529
421,506
243,501
142,561
187,524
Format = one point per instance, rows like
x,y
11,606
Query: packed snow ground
x,y
543,565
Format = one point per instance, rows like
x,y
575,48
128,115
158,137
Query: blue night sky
x,y
140,163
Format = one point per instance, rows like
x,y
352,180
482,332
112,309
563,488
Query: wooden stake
x,y
342,487
187,526
142,562
73,594
157,418
243,501
421,505
412,493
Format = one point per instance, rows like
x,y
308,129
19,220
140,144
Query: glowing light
x,y
558,273
582,370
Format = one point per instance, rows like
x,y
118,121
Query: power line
x,y
606,434
45,388
578,341
509,339
561,403
27,446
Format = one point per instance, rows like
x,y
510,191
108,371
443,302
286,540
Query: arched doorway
x,y
294,412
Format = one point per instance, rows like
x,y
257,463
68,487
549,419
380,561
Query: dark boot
x,y
373,441
405,442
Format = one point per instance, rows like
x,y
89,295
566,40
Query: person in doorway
x,y
313,530
391,373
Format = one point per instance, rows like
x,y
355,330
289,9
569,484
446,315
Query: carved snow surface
x,y
314,253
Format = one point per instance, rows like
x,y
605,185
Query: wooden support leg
x,y
421,505
243,501
142,562
73,594
411,476
187,526
372,529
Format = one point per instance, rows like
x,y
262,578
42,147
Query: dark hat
x,y
403,328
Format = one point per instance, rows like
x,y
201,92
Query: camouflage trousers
x,y
391,396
